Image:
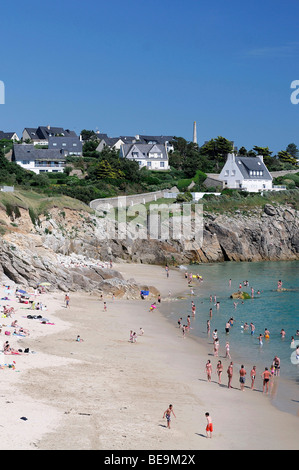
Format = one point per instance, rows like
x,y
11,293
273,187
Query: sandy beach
x,y
106,393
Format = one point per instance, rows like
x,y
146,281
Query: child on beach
x,y
209,427
167,415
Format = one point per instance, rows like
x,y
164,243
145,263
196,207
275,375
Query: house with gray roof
x,y
38,160
157,139
41,134
248,173
9,136
67,145
152,156
110,142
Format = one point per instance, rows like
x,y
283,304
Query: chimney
x,y
48,127
261,158
194,133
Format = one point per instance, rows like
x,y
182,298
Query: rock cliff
x,y
69,248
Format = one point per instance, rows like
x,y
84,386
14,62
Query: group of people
x,y
267,375
133,335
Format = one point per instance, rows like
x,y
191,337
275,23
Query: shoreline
x,y
107,393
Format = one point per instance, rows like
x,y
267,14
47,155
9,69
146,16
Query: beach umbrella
x,y
22,291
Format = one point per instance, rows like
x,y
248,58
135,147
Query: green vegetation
x,y
232,200
291,180
37,203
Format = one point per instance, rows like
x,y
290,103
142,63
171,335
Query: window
x,y
149,163
74,145
226,173
25,162
54,144
233,172
162,164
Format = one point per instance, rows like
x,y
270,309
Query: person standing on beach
x,y
209,427
209,370
227,354
216,347
67,300
252,375
242,373
230,374
266,377
219,371
167,415
276,363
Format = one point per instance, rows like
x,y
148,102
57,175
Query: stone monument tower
x,y
194,133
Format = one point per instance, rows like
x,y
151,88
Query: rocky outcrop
x,y
32,252
270,233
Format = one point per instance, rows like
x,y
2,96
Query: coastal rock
x,y
240,295
69,248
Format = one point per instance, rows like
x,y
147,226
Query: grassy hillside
x,y
38,203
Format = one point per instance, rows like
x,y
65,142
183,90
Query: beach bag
x,y
7,333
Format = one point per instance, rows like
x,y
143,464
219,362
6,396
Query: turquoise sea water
x,y
269,309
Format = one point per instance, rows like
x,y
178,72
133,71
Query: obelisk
x,y
194,133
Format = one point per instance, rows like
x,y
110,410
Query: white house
x,y
9,136
248,173
38,160
110,142
153,156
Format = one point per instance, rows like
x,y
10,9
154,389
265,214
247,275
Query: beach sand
x,y
108,393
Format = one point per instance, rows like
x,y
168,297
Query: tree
x,y
266,154
185,156
217,150
89,149
105,171
88,135
293,150
286,157
243,151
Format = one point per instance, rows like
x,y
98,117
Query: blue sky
x,y
134,67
